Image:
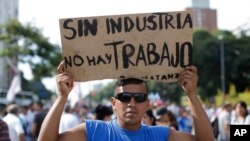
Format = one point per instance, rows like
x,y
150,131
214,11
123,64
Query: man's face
x,y
130,112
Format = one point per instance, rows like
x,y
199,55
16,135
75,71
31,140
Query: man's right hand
x,y
65,81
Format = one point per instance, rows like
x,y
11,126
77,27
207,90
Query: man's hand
x,y
65,80
188,80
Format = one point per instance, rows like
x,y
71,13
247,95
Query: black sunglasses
x,y
126,97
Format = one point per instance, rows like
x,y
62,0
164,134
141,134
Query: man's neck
x,y
128,126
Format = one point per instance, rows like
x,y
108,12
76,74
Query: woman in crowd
x,y
149,118
165,117
242,116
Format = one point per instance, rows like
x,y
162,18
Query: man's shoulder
x,y
157,132
156,128
10,117
96,123
96,129
93,121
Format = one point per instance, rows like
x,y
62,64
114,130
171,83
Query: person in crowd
x,y
241,116
165,117
149,118
82,111
33,109
4,131
130,103
184,121
224,118
2,110
103,112
68,119
16,131
174,108
22,116
38,120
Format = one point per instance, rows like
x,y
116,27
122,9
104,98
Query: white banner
x,y
15,87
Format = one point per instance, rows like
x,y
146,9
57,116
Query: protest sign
x,y
155,46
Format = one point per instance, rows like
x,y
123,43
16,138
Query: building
x,y
203,16
8,10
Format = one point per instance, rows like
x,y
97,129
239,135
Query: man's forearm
x,y
50,126
202,125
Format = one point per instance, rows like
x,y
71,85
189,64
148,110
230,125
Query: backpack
x,y
215,126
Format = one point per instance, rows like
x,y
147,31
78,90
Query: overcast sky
x,y
45,14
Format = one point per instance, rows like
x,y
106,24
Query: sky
x,y
45,14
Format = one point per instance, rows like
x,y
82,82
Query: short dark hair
x,y
242,104
67,108
150,114
125,81
161,111
102,111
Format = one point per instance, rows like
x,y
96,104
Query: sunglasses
x,y
125,97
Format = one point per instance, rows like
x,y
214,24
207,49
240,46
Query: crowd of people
x,y
31,118
230,114
129,116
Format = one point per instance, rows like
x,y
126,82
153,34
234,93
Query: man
x,y
130,104
164,117
16,131
184,121
4,131
68,119
103,112
224,119
38,119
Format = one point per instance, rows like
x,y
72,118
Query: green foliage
x,y
27,43
105,92
170,92
207,59
239,67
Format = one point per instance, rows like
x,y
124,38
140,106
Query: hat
x,y
161,111
12,108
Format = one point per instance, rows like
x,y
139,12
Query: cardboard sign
x,y
155,46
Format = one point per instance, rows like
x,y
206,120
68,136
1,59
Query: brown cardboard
x,y
108,47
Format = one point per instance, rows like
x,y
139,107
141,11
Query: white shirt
x,y
237,121
14,125
224,120
68,121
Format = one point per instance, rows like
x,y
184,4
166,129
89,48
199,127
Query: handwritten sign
x,y
155,46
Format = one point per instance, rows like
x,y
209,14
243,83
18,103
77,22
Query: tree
x,y
26,44
207,59
170,92
105,92
238,62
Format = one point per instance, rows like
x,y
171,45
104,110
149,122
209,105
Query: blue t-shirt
x,y
97,130
184,124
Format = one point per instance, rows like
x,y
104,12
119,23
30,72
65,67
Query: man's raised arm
x,y
50,126
203,129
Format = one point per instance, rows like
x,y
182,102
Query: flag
x,y
15,87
